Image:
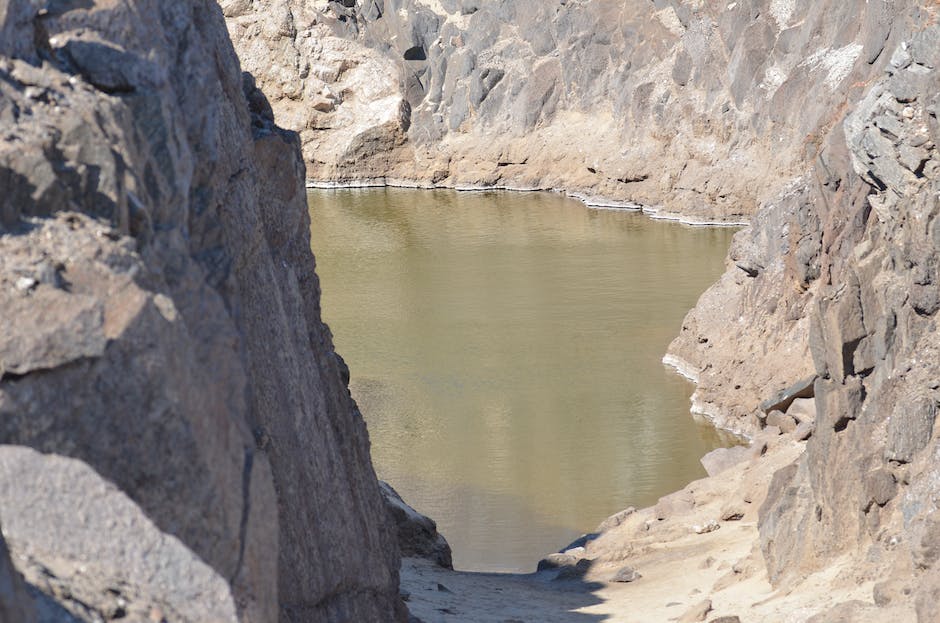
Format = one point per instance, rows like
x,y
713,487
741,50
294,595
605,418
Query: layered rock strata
x,y
162,345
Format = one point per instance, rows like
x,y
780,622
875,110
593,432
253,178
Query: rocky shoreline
x,y
593,202
171,402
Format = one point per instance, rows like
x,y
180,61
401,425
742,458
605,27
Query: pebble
x,y
627,574
709,526
25,283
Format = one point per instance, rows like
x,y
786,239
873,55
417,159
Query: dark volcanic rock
x,y
163,317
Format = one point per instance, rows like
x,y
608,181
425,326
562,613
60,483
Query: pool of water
x,y
505,350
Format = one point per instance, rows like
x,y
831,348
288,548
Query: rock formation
x,y
163,349
836,282
707,110
167,357
817,120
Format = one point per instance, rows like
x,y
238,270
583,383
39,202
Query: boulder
x,y
782,400
722,459
417,534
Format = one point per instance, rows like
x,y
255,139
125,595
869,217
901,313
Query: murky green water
x,y
505,350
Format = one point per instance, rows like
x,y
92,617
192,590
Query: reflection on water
x,y
505,350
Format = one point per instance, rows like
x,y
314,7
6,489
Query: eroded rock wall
x,y
162,327
837,280
703,109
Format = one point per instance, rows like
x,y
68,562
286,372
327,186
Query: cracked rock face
x,y
164,339
703,109
838,279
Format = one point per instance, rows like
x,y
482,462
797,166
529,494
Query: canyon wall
x,y
178,440
814,121
702,109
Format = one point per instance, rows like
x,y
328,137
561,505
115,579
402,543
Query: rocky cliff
x,y
816,121
179,442
704,110
835,287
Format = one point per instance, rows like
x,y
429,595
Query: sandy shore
x,y
690,570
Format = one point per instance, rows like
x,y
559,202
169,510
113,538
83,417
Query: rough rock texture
x,y
417,534
163,325
15,603
839,278
703,109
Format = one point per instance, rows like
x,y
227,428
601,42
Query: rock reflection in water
x,y
506,349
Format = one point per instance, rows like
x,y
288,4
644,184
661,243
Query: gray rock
x,y
926,550
16,605
176,347
803,388
626,574
100,546
417,534
557,561
910,428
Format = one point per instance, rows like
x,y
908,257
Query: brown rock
x,y
697,612
417,534
674,504
722,459
782,421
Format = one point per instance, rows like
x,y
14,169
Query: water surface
x,y
505,350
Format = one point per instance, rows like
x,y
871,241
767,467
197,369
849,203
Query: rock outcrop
x,y
700,109
819,119
837,280
163,337
417,534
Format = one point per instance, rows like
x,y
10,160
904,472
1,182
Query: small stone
x,y
908,112
804,431
782,421
709,526
443,588
727,619
707,563
25,284
627,574
697,613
